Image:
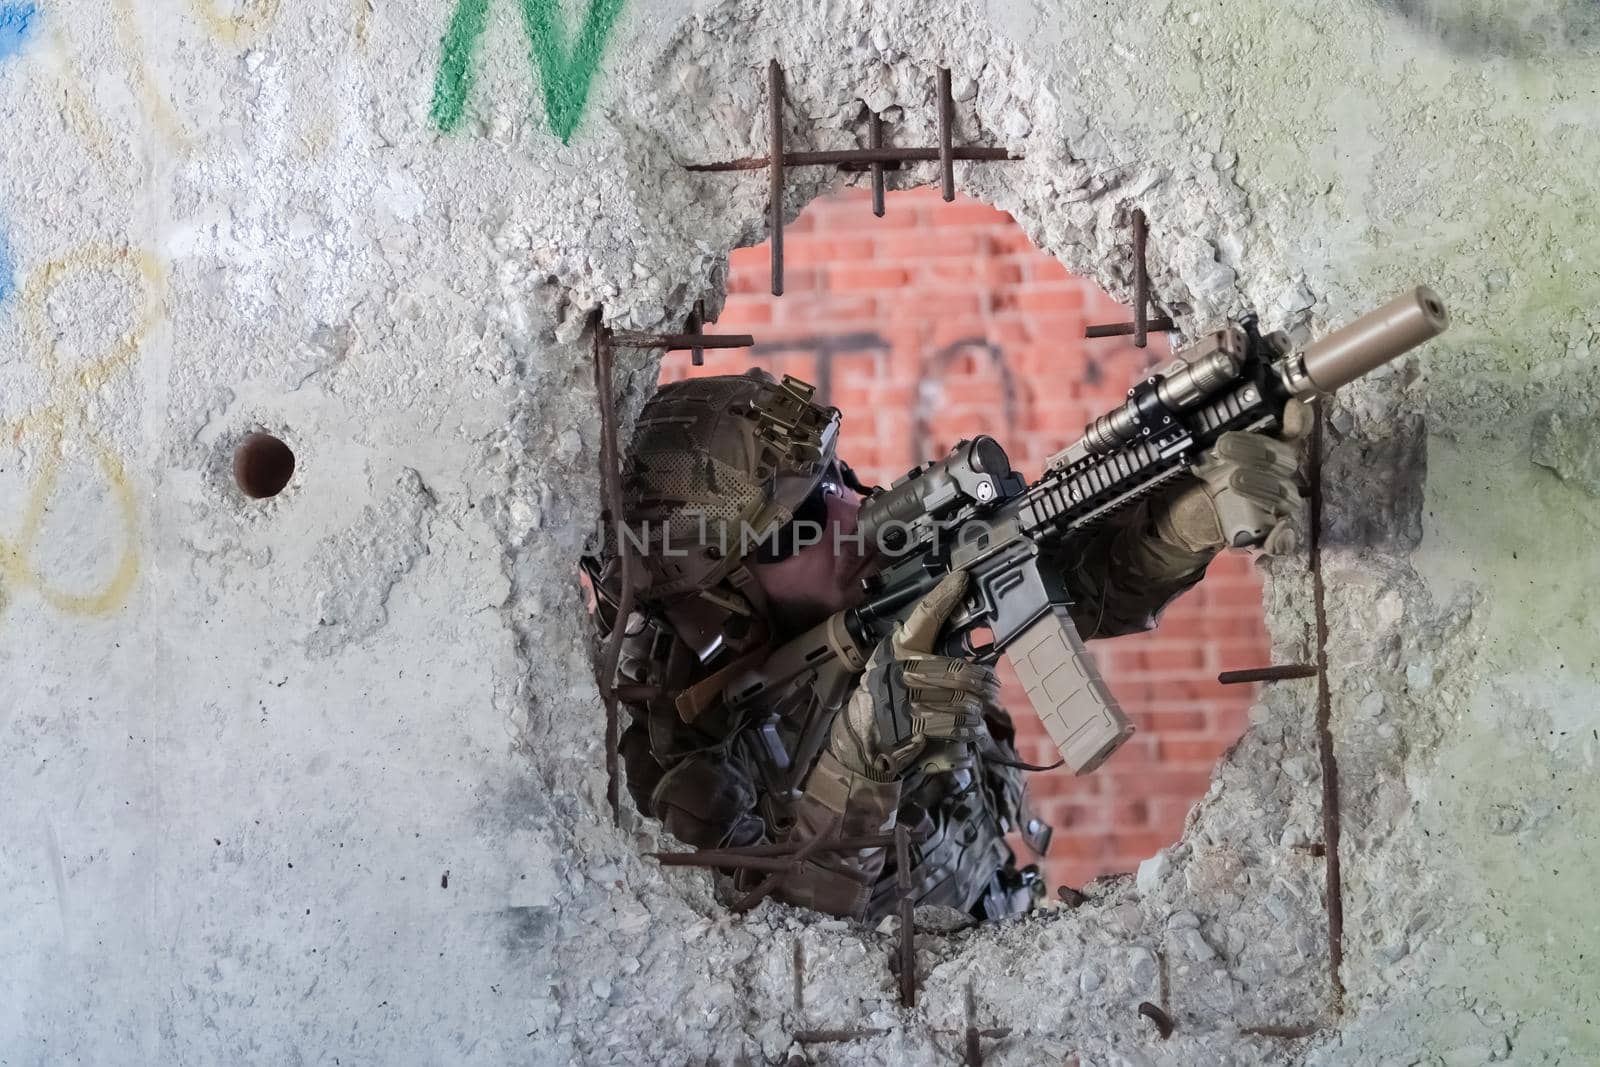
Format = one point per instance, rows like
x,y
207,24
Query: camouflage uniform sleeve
x,y
838,802
703,797
1126,574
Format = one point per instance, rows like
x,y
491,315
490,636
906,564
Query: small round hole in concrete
x,y
262,465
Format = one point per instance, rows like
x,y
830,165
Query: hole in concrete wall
x,y
941,321
1232,958
262,465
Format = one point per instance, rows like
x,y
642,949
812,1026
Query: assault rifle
x,y
971,511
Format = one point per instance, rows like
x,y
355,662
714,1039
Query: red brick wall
x,y
940,321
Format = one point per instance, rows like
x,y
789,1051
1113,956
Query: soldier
x,y
714,459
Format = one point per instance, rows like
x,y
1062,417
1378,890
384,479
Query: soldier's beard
x,y
811,586
821,579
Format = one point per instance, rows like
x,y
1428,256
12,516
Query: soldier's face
x,y
819,579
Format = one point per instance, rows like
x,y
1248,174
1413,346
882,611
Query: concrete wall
x,y
246,742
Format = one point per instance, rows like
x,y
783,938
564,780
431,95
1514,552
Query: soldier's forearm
x,y
1127,574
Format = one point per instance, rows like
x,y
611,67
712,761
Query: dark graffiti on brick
x,y
933,370
825,348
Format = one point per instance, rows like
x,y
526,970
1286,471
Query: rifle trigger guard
x,y
959,645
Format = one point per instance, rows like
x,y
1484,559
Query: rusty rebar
x,y
973,1052
678,342
1141,281
611,504
775,165
710,856
727,863
1162,1020
1330,763
768,884
856,166
875,140
1142,323
1159,324
908,926
984,1032
799,976
1293,1032
1280,673
695,327
847,157
947,118
831,1037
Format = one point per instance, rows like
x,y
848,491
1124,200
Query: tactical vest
x,y
733,780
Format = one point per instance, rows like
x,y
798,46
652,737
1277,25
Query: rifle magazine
x,y
1066,690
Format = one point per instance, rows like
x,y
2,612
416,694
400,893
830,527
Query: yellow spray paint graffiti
x,y
237,30
363,19
64,417
151,98
78,110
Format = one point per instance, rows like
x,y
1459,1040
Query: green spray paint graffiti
x,y
565,74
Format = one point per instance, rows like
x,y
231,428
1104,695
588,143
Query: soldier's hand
x,y
1246,491
910,694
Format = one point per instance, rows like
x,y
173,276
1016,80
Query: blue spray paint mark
x,y
8,270
15,21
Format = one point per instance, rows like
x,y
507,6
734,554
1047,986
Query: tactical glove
x,y
909,694
1245,491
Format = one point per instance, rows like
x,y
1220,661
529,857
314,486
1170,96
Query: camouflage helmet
x,y
714,462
